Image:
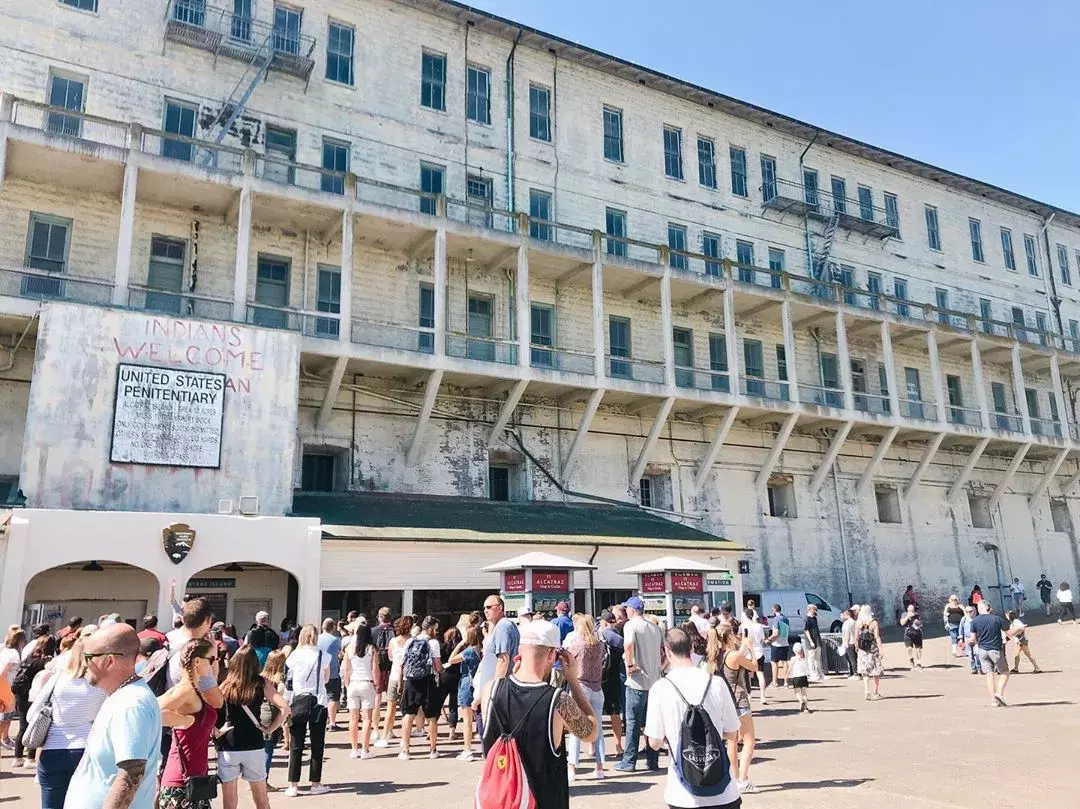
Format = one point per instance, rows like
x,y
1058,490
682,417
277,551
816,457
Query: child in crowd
x,y
799,672
965,630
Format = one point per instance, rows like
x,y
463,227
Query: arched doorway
x,y
238,590
90,589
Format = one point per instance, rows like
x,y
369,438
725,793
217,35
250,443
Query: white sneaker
x,y
382,744
321,789
571,776
367,754
433,754
403,756
354,754
465,755
746,786
291,792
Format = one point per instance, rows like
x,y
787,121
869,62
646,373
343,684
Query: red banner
x,y
514,581
687,583
550,581
653,583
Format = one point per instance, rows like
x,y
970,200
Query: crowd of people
x,y
108,716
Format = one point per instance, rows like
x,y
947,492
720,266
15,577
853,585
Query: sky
x,y
973,87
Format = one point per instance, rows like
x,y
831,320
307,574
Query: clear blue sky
x,y
980,88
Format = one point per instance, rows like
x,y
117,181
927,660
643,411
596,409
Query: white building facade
x,y
436,253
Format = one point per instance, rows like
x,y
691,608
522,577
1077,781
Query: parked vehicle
x,y
794,603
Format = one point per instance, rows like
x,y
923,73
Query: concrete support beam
x,y
935,373
582,430
731,338
650,441
980,383
523,315
879,455
126,237
438,266
1072,481
713,452
1019,391
774,453
843,359
507,410
345,306
789,352
431,391
969,467
1048,476
924,464
7,104
332,388
420,246
243,252
1010,473
830,457
667,325
889,362
599,338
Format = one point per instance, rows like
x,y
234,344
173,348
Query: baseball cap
x,y
562,606
725,607
540,633
634,603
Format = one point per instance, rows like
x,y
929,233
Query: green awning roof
x,y
456,519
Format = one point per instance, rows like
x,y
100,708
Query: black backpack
x,y
382,637
417,663
701,758
24,676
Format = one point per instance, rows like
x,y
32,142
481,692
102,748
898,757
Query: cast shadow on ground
x,y
779,744
1040,704
827,783
912,696
609,787
382,787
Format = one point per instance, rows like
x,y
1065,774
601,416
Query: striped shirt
x,y
75,704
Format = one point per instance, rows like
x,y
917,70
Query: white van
x,y
794,603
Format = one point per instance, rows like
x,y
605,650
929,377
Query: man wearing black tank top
x,y
541,714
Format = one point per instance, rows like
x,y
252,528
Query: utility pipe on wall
x,y
1051,293
510,123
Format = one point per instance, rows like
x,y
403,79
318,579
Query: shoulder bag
x,y
306,707
40,717
197,787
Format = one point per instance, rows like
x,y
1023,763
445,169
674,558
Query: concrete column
x,y
843,359
243,250
7,104
126,237
524,314
666,325
731,337
1018,389
1059,394
407,601
599,342
789,351
980,383
889,362
440,281
345,317
935,373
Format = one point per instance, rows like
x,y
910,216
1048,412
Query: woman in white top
x,y
308,672
10,657
403,627
74,703
753,629
357,675
1065,599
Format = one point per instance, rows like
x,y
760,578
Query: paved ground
x,y
932,743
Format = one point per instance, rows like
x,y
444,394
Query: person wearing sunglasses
x,y
192,719
123,748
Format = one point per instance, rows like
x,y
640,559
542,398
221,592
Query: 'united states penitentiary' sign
x,y
167,417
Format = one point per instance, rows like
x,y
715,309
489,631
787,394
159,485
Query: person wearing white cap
x,y
508,707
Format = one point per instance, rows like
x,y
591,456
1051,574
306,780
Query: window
x,y
883,387
287,22
82,5
941,297
615,223
914,393
673,153
1018,323
768,178
710,246
165,275
179,120
676,240
718,362
317,473
613,141
432,181
192,12
888,504
46,250
1055,415
542,333
335,162
839,194
979,506
1032,397
1074,334
478,196
873,286
241,20
956,398
892,212
426,320
280,155
810,187
683,341
540,208
706,161
1007,250
69,93
997,394
781,369
830,380
1029,253
339,53
900,292
744,256
738,171
1059,513
933,235
975,231
858,384
478,94
645,493
619,346
781,491
754,360
433,81
986,313
499,483
480,323
539,113
271,292
776,267
1040,324
1063,265
328,299
866,203
845,276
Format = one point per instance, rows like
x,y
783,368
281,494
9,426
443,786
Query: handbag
x,y
37,726
306,707
198,787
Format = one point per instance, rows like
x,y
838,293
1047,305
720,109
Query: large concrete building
x,y
422,251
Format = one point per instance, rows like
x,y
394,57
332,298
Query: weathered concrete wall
x,y
69,426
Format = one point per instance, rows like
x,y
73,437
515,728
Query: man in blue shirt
x,y
330,644
562,620
986,632
778,644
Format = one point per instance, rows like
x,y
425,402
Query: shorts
x,y
393,691
465,692
992,660
800,682
780,654
247,764
418,697
333,689
360,695
913,641
381,679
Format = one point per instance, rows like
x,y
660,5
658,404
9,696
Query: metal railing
x,y
757,276
38,285
872,403
69,123
619,367
202,153
762,388
388,335
853,214
1010,422
483,349
561,359
700,379
1046,428
918,409
325,325
181,304
821,395
964,416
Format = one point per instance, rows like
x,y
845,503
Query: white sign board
x,y
167,417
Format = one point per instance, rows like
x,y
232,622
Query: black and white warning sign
x,y
167,417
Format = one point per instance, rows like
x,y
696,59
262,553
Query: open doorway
x,y
90,590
